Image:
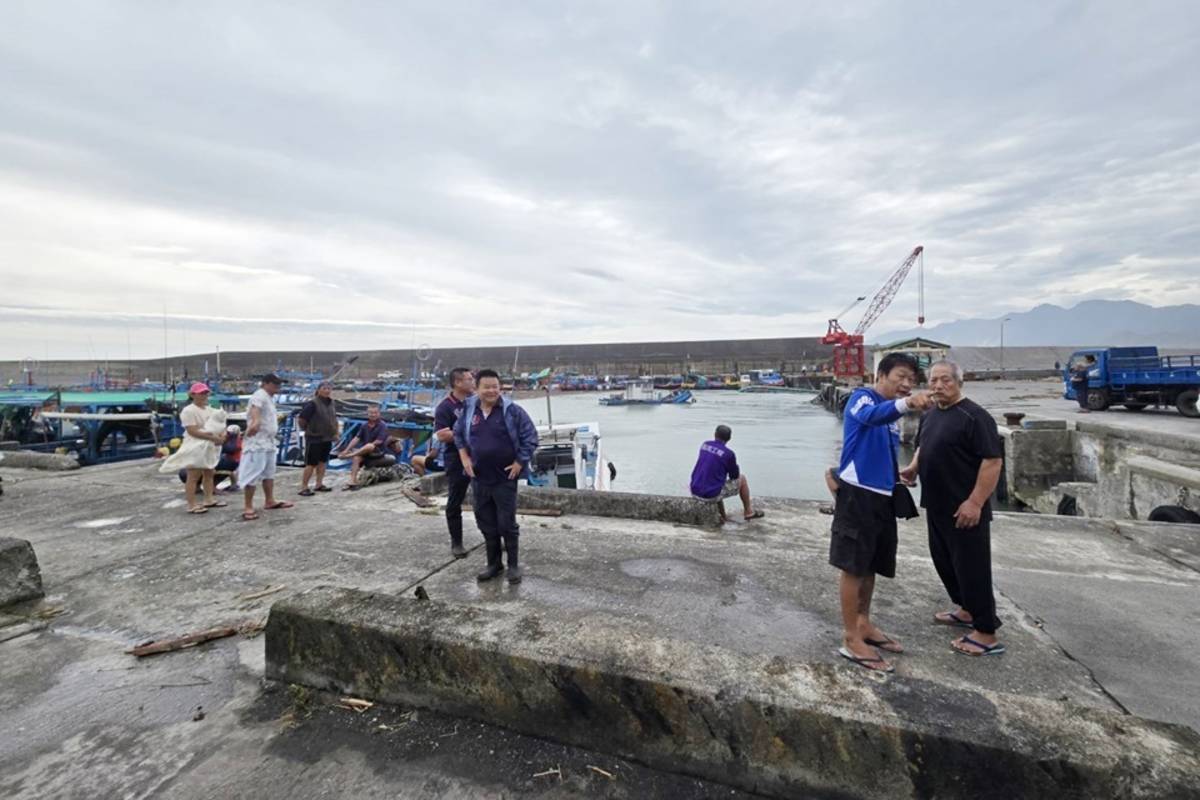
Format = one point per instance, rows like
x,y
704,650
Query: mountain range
x,y
1092,323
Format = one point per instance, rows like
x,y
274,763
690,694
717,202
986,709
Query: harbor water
x,y
783,442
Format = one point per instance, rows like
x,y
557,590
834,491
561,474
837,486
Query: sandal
x,y
247,516
758,514
950,618
886,644
323,488
216,504
279,504
866,663
306,492
996,649
198,510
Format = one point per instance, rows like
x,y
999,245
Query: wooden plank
x,y
191,640
421,500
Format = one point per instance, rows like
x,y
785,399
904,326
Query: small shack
x,y
926,351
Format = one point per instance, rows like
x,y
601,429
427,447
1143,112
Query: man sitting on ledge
x,y
716,475
373,451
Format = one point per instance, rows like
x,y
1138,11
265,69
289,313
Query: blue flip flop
x,y
866,662
996,649
954,619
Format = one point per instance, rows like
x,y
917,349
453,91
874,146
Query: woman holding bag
x,y
201,448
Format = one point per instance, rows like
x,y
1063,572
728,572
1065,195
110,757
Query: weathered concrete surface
x,y
28,459
625,505
81,719
20,577
757,721
1115,464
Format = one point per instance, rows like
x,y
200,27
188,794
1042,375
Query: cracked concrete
x,y
81,719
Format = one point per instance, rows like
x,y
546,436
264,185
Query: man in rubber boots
x,y
958,457
495,439
863,536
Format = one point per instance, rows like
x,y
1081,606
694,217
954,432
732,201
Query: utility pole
x,y
1006,319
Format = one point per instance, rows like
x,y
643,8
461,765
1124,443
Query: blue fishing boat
x,y
643,393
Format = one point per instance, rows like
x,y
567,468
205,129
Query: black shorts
x,y
863,539
317,453
432,465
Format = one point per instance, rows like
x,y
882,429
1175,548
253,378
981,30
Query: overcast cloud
x,y
370,175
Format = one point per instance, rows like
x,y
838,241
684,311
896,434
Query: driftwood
x,y
421,500
169,645
528,512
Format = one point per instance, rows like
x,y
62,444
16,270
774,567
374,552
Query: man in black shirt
x,y
462,386
958,457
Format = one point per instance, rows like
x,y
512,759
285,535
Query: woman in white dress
x,y
201,448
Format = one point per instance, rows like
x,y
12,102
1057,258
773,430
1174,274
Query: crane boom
x,y
883,298
849,349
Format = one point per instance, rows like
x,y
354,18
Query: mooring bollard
x,y
1013,418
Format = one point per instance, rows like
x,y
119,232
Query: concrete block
x,y
627,505
20,576
751,720
1044,424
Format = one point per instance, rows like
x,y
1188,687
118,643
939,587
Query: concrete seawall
x,y
760,723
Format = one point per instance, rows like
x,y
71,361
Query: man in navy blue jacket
x,y
495,439
863,540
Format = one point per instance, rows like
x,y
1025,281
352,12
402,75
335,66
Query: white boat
x,y
571,456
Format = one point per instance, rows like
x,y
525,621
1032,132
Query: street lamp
x,y
1006,319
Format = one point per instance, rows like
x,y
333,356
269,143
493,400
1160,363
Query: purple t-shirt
x,y
716,464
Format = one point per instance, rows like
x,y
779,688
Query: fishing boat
x,y
94,427
643,393
571,456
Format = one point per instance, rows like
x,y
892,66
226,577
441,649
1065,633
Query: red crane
x,y
849,353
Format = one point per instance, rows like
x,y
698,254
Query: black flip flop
x,y
758,514
323,489
306,492
884,642
864,662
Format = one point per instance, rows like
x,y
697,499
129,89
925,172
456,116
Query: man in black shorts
x,y
318,419
863,538
959,455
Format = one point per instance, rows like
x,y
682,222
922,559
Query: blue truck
x,y
1137,377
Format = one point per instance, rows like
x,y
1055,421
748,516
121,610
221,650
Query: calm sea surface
x,y
783,442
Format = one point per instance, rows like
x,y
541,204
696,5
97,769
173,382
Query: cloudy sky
x,y
365,175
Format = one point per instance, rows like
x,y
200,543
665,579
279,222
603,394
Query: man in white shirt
x,y
258,449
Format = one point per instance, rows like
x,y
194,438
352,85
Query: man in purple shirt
x,y
372,452
716,475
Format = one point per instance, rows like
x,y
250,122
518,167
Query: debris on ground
x,y
603,772
263,593
355,704
153,647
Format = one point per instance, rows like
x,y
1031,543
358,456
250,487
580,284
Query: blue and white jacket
x,y
871,440
517,421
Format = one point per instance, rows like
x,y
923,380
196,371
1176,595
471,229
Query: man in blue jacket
x,y
495,439
863,540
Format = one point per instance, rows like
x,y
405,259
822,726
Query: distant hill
x,y
1091,323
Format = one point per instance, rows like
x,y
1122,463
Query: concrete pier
x,y
740,622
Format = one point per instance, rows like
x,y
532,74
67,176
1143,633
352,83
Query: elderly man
x,y
496,440
258,449
958,458
863,537
368,448
318,419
